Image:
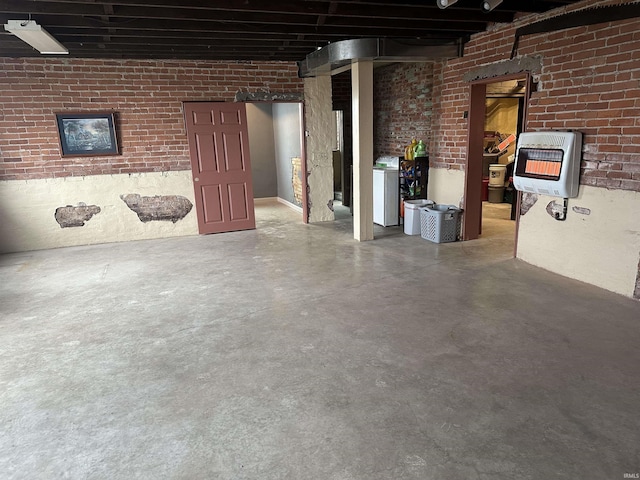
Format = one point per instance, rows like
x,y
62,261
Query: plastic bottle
x,y
420,150
408,151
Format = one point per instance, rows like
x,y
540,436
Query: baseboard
x,y
264,200
290,205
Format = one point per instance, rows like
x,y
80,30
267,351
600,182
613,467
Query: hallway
x,y
294,352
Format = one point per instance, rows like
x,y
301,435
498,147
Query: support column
x,y
362,111
318,120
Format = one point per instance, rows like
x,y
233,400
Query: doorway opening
x,y
343,147
278,165
245,153
341,172
497,116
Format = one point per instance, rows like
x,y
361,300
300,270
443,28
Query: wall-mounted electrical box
x,y
548,163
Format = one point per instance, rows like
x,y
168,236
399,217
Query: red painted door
x,y
219,150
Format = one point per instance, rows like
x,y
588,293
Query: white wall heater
x,y
548,163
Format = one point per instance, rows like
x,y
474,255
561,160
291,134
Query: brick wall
x,y
146,95
589,81
341,91
402,106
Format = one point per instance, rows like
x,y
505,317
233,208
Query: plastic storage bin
x,y
412,215
496,194
439,223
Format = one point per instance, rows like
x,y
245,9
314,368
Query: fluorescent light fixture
x,y
445,3
489,5
30,32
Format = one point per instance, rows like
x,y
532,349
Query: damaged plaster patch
x,y
508,67
330,205
71,216
268,97
160,207
554,208
582,210
528,201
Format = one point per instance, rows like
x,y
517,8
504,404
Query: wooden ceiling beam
x,y
361,10
415,30
250,29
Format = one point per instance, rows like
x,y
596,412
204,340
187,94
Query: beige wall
x,y
446,186
600,246
27,209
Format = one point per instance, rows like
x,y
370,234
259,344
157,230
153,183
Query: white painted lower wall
x,y
601,248
445,186
27,209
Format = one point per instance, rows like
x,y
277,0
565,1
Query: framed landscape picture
x,y
87,134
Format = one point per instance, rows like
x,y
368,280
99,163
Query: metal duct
x,y
336,55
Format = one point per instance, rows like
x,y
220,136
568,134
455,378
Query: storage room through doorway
x,y
503,122
275,144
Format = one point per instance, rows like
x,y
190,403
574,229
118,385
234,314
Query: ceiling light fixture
x,y
445,3
489,5
30,32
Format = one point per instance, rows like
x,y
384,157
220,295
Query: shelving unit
x,y
414,178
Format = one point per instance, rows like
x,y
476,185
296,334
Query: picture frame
x,y
87,134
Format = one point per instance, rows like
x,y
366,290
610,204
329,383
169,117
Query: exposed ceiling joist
x,y
248,29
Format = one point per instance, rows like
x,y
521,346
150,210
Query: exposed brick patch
x,y
268,97
554,209
77,216
330,205
508,67
528,201
581,210
160,207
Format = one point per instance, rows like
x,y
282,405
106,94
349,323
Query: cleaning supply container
x,y
412,215
439,223
497,173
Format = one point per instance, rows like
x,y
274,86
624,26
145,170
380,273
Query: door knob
x,y
196,179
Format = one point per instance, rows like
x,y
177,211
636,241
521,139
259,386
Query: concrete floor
x,y
294,352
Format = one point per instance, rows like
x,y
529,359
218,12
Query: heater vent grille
x,y
544,140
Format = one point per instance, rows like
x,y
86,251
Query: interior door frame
x,y
303,157
472,218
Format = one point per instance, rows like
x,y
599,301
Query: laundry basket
x,y
439,223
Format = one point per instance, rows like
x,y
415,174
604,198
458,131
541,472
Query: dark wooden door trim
x,y
472,218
